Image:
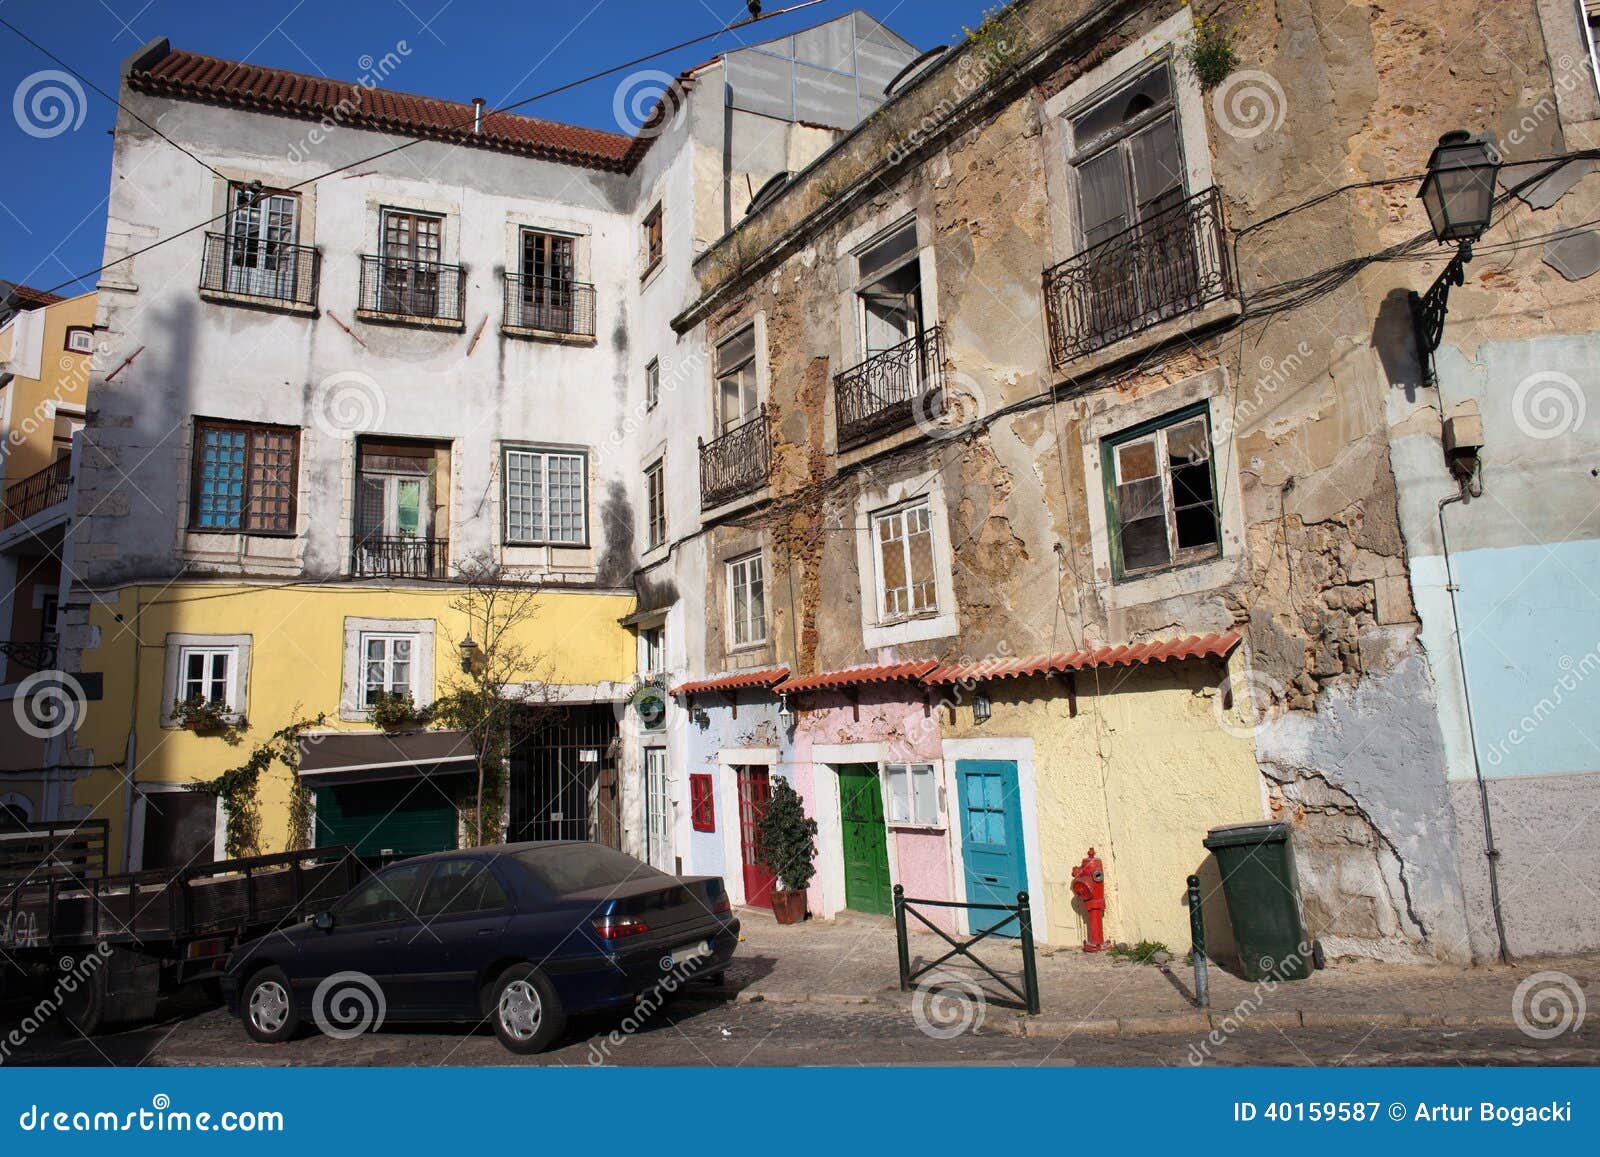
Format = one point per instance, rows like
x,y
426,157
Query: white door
x,y
657,810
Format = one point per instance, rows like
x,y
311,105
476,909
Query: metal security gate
x,y
564,776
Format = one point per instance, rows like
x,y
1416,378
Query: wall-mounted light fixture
x,y
785,712
1458,193
470,653
981,707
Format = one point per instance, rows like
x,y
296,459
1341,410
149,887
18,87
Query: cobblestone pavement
x,y
826,992
699,1031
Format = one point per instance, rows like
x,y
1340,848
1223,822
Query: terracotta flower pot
x,y
788,907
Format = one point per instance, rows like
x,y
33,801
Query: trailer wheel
x,y
85,1006
267,1006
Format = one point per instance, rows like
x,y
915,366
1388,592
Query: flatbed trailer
x,y
117,943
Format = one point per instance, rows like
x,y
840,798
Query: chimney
x,y
477,114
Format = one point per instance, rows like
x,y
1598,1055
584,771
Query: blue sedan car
x,y
518,934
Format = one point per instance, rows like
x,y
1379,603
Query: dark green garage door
x,y
389,819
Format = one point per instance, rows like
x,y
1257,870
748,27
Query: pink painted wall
x,y
921,861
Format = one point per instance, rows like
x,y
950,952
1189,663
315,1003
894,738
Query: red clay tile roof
x,y
1122,655
26,297
765,677
193,76
857,676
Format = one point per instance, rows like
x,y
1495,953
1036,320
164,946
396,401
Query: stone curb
x,y
1173,1023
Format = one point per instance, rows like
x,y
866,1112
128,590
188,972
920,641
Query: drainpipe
x,y
1491,853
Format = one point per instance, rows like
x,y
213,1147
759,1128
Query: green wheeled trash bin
x,y
1263,894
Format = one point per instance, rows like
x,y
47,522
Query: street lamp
x,y
1458,193
469,654
785,712
981,707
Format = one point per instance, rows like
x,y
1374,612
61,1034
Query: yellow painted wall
x,y
63,377
1141,774
296,669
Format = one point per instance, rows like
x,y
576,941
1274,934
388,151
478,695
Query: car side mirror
x,y
323,921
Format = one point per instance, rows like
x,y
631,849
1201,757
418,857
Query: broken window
x,y
890,293
736,380
904,541
244,478
1163,506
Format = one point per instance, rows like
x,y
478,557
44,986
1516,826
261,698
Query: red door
x,y
755,790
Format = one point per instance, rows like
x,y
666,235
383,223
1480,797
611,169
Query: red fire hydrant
x,y
1089,885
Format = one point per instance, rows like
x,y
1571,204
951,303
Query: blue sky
x,y
53,188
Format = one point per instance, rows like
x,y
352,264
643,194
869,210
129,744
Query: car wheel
x,y
527,1013
268,1007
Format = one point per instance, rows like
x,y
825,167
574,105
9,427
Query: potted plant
x,y
203,716
788,841
392,712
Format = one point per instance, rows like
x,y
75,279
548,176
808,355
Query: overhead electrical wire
x,y
406,144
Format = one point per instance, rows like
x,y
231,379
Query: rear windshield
x,y
579,867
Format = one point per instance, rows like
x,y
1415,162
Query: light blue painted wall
x,y
1530,630
1524,553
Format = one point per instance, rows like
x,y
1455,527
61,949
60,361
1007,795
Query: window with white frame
x,y
652,650
545,497
737,391
206,675
1589,20
889,290
204,669
903,541
655,491
652,383
388,666
80,339
1162,503
747,601
913,794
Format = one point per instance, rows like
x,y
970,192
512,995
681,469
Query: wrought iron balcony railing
x,y
399,556
1173,262
31,656
735,463
891,389
549,304
256,267
38,491
404,288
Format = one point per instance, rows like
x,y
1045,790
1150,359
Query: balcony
x,y
256,270
544,305
400,556
37,492
1170,264
736,463
36,655
400,289
891,390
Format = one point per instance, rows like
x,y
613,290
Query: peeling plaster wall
x,y
1315,535
1140,773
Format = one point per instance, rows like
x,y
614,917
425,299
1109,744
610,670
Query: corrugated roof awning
x,y
764,677
378,755
1121,655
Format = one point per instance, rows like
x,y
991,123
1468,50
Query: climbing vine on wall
x,y
239,790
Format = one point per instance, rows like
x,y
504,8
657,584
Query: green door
x,y
387,820
866,846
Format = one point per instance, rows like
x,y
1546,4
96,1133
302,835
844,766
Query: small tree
x,y
499,613
788,838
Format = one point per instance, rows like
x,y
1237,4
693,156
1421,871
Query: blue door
x,y
991,838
